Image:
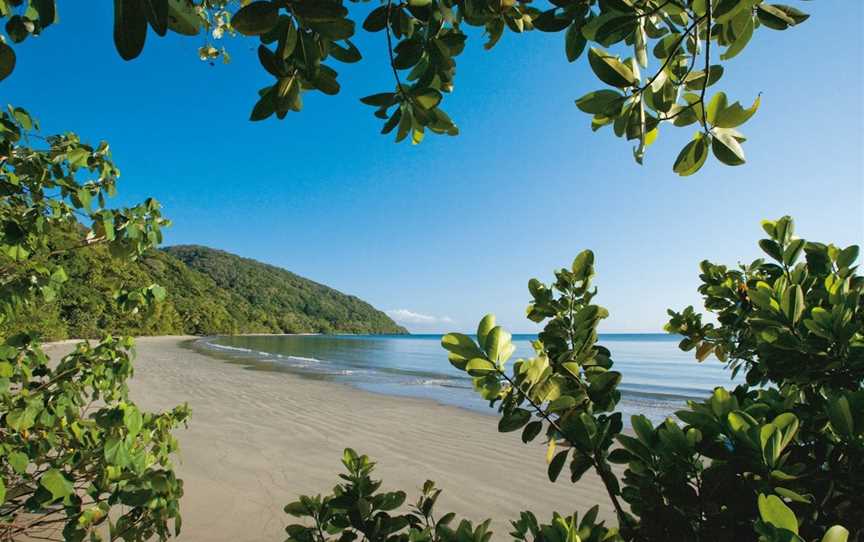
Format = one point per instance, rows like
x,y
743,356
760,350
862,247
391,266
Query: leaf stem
x,y
390,52
678,43
707,66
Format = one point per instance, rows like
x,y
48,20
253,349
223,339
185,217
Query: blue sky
x,y
455,227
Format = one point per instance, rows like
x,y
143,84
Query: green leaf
x,y
55,482
382,99
604,382
837,533
574,41
264,108
21,419
85,197
116,452
156,12
78,158
725,10
497,345
771,248
337,29
717,104
514,420
480,367
428,98
130,28
487,323
556,465
791,495
408,53
531,431
348,54
644,429
2,491
793,251
696,80
742,38
183,19
7,60
296,509
735,115
376,20
19,461
847,256
320,11
780,16
610,69
840,414
256,18
727,149
133,420
583,265
692,157
461,345
601,102
792,303
775,512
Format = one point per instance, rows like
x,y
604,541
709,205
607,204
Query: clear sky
x,y
455,227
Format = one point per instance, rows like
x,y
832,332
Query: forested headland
x,y
209,291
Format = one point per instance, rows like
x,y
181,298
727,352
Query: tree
x,y
779,458
75,451
299,39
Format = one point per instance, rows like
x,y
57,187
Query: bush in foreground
x,y
78,458
779,458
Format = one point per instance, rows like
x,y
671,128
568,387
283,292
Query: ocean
x,y
658,378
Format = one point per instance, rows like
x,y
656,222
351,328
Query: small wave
x,y
443,383
301,358
231,348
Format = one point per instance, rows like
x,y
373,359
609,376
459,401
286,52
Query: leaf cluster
x,y
778,458
356,510
669,47
76,454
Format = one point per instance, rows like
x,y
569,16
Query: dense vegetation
x,y
673,51
77,456
208,292
281,301
779,458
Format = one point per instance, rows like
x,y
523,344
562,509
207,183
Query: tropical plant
x,y
75,452
423,38
211,292
779,458
357,510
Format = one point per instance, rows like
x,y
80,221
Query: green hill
x,y
209,292
281,300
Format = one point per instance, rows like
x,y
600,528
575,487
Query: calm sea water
x,y
658,377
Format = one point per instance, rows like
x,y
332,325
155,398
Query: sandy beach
x,y
259,439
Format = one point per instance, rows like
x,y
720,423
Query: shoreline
x,y
258,439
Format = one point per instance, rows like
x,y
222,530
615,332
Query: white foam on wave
x,y
301,358
226,347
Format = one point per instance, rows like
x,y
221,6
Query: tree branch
x,y
390,52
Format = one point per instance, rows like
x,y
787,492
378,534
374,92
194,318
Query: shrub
x,y
779,458
75,452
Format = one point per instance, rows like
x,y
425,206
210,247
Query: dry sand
x,y
259,439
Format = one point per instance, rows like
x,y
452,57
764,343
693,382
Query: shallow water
x,y
658,377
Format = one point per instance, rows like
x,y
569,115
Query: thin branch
x,y
390,52
707,65
674,50
622,517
